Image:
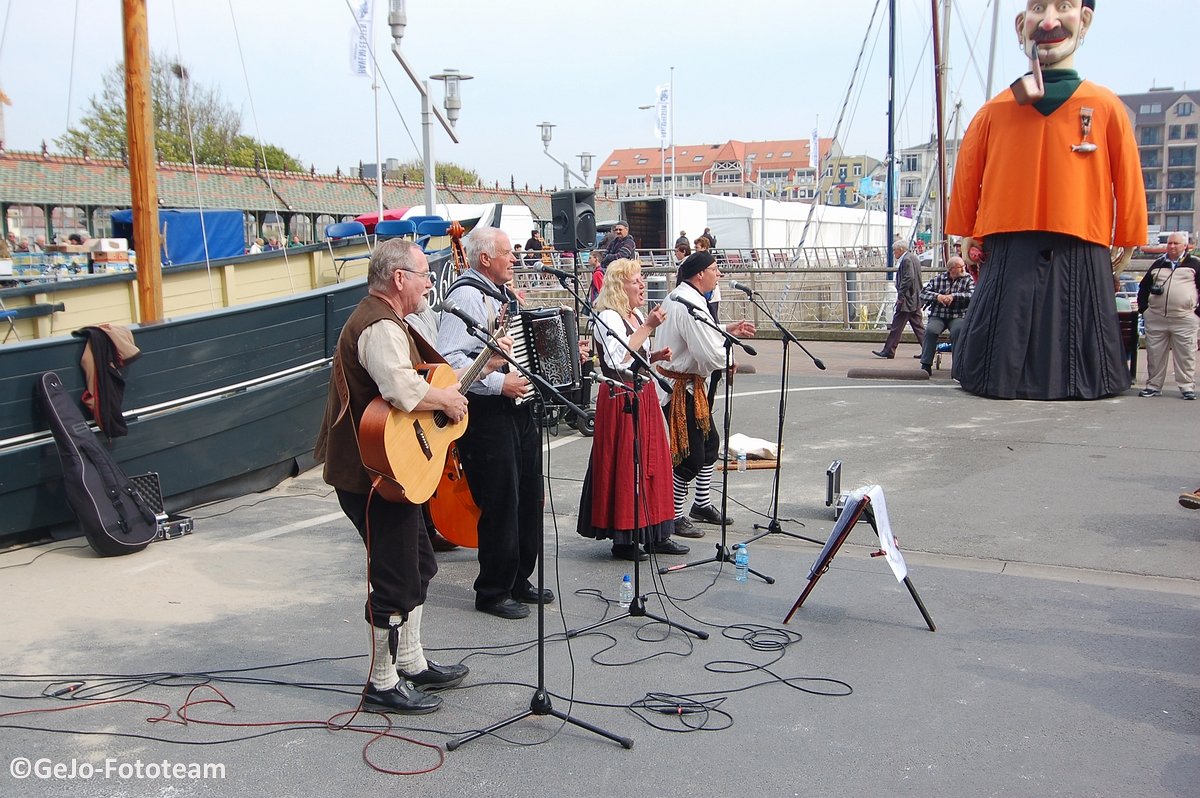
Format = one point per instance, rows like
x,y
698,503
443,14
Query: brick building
x,y
1165,126
735,168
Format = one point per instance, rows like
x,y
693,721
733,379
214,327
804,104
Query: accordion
x,y
546,341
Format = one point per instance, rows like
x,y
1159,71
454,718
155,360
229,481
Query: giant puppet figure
x,y
1048,194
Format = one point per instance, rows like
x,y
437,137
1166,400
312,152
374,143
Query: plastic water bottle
x,y
741,461
626,592
741,562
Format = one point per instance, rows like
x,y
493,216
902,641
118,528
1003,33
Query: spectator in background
x,y
908,300
597,276
256,247
78,238
1168,297
712,239
533,248
295,242
622,245
39,243
947,296
683,239
682,251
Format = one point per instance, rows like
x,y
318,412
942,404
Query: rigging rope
x,y
187,112
262,151
841,114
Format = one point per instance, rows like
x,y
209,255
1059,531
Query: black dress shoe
x,y
667,546
529,595
927,369
404,698
708,514
629,551
504,608
440,543
882,355
684,528
436,677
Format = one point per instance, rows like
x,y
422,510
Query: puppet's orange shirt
x,y
1016,172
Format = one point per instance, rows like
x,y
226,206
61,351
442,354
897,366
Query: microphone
x,y
559,273
449,307
608,380
745,289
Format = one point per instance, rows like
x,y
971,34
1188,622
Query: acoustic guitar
x,y
409,449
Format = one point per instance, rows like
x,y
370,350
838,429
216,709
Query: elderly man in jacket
x,y
908,300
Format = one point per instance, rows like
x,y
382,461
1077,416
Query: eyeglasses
x,y
426,274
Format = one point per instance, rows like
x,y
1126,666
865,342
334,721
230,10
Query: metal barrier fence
x,y
812,288
820,288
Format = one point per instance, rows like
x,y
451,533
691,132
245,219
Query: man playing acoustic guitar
x,y
375,356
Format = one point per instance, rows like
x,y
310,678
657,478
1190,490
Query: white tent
x,y
738,223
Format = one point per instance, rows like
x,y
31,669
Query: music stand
x,y
850,516
723,553
540,704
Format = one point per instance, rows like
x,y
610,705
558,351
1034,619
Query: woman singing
x,y
606,507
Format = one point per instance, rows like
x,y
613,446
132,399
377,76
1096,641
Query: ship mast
x,y
139,115
939,88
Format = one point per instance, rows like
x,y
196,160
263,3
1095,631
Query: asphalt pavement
x,y
1044,538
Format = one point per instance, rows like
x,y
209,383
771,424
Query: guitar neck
x,y
472,373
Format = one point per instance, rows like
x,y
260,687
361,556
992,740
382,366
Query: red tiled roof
x,y
695,158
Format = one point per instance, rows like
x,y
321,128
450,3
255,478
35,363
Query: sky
x,y
751,70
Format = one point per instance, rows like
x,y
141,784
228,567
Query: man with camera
x,y
1169,300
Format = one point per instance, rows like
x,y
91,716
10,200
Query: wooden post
x,y
139,115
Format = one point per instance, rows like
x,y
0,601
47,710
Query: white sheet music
x,y
887,541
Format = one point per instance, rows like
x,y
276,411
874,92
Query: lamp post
x,y
397,21
585,166
547,133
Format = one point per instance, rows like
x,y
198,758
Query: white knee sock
x,y
383,664
410,655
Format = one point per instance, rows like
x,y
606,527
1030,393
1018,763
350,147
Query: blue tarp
x,y
180,233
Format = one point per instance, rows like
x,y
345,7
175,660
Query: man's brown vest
x,y
337,443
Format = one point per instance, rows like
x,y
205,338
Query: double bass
x,y
452,507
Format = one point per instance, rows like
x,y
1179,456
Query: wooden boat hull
x,y
218,404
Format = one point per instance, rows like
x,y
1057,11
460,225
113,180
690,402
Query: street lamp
x,y
453,100
585,166
398,21
547,133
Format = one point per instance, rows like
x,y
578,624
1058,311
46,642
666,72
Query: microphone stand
x,y
773,527
723,553
641,374
540,703
637,608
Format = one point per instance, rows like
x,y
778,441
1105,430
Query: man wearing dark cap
x,y
696,351
1048,195
622,246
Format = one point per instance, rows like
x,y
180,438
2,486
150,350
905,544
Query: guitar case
x,y
114,517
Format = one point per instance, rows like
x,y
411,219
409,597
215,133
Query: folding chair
x,y
433,234
345,230
396,228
